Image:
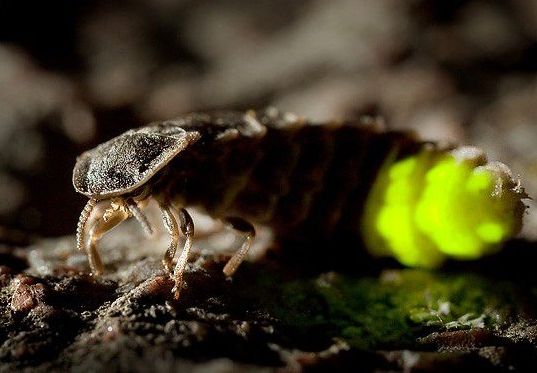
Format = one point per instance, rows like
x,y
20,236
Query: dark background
x,y
75,73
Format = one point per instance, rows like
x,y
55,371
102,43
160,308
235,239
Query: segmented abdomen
x,y
296,177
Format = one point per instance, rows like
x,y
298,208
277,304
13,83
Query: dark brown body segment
x,y
300,179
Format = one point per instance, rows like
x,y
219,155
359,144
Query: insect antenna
x,y
81,227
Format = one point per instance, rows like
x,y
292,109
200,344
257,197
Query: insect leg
x,y
187,228
135,211
173,230
248,231
115,214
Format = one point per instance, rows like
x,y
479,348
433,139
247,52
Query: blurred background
x,y
76,73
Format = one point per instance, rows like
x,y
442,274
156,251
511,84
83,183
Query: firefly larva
x,y
406,198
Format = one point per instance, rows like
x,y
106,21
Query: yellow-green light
x,y
433,205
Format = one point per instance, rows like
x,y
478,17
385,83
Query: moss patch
x,y
391,310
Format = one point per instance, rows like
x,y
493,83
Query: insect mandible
x,y
406,198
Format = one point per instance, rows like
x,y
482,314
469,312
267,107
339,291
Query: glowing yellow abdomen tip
x,y
434,205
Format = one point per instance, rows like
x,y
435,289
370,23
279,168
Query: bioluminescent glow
x,y
434,205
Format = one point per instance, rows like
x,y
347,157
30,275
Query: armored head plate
x,y
128,161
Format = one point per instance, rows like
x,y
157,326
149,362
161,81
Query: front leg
x,y
114,215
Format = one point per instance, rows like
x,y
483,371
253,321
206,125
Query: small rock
x,y
26,295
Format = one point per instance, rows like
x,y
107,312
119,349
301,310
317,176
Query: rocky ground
x,y
273,315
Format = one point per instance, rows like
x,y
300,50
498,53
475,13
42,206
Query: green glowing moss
x,y
392,310
434,205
